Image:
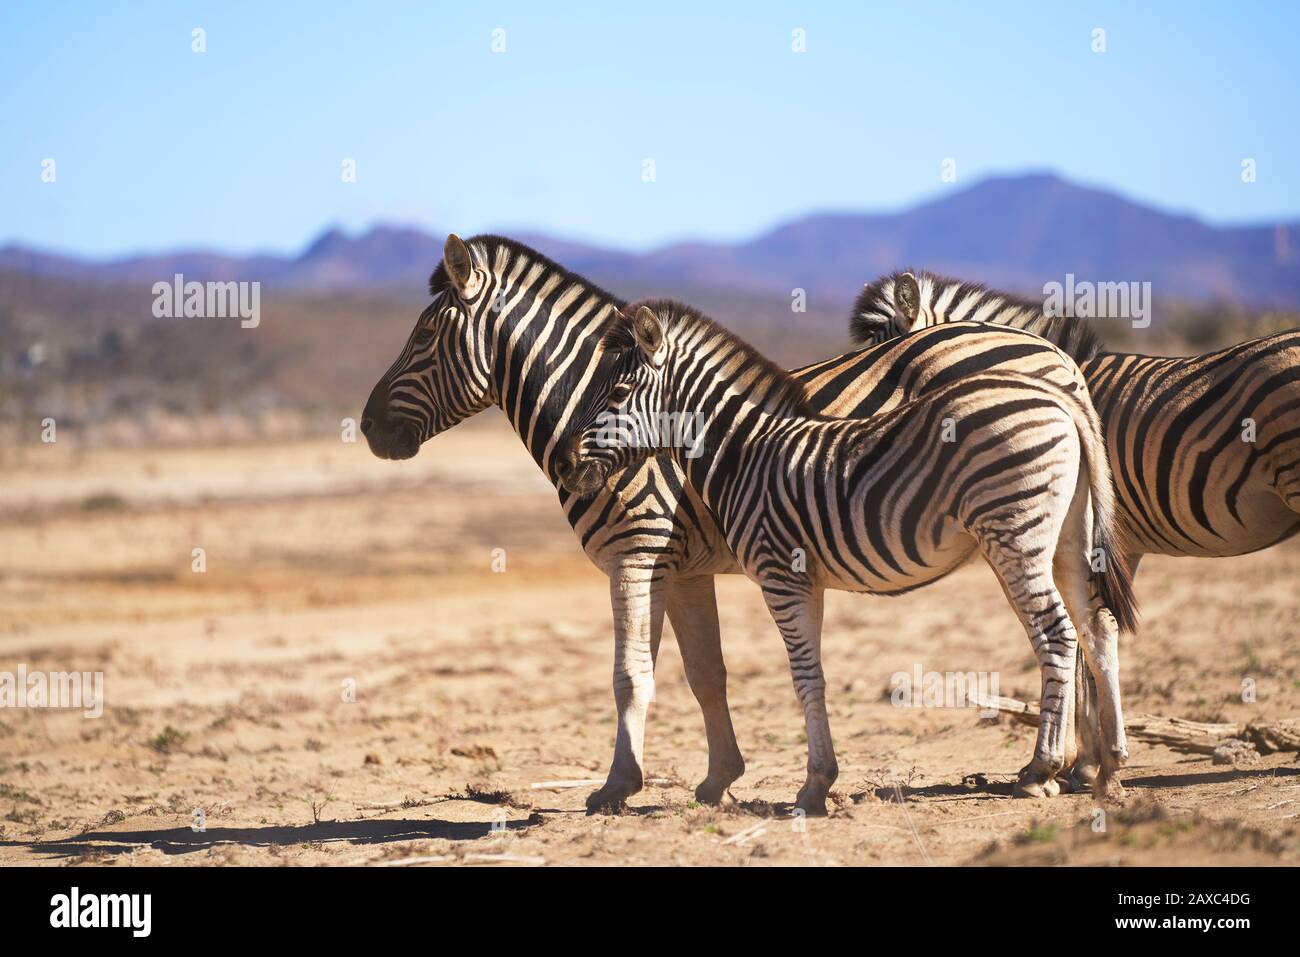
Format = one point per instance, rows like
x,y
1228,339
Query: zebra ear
x,y
649,334
455,256
907,296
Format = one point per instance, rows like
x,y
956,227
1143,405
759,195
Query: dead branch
x,y
1178,734
1281,735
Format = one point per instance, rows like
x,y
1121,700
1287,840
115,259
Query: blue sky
x,y
241,148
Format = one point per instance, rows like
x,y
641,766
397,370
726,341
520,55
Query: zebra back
x,y
905,301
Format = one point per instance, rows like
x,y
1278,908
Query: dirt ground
x,y
328,570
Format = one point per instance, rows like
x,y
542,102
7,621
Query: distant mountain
x,y
1016,232
383,256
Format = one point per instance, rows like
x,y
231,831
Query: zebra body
x,y
883,505
649,514
507,327
1205,450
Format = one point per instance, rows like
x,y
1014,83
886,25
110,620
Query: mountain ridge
x,y
1013,232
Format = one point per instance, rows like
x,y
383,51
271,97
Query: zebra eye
x,y
424,337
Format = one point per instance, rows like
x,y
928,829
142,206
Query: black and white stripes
x,y
1005,463
1205,449
507,327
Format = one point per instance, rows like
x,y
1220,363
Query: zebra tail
x,y
1115,580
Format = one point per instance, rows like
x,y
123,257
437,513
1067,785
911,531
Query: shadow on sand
x,y
183,840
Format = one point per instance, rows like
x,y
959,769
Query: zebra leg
x,y
638,624
1101,648
693,611
1081,774
797,612
1103,746
1072,575
1026,578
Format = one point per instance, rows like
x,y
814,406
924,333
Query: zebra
x,y
882,505
1205,450
508,327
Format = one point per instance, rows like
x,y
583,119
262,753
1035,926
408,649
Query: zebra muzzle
x,y
404,443
389,440
577,474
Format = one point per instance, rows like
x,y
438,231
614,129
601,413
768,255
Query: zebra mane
x,y
874,308
680,321
490,243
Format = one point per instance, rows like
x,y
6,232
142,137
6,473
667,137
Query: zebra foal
x,y
1004,463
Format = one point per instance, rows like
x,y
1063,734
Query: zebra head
x,y
886,309
443,374
627,421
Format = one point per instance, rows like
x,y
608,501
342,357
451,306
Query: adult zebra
x,y
883,505
508,327
1205,450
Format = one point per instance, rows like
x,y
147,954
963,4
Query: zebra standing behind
x,y
1009,464
1205,450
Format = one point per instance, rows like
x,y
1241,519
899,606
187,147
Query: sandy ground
x,y
326,569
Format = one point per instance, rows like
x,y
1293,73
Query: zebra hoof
x,y
811,799
811,807
1033,783
1081,778
610,798
1107,784
710,791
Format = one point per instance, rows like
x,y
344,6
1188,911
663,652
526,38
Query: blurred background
x,y
723,159
730,157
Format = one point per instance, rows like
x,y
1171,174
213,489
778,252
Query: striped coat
x,y
1011,465
508,327
1205,450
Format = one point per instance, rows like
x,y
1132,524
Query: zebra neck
x,y
545,356
953,303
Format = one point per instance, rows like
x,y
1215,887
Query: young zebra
x,y
1006,463
508,327
1205,450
